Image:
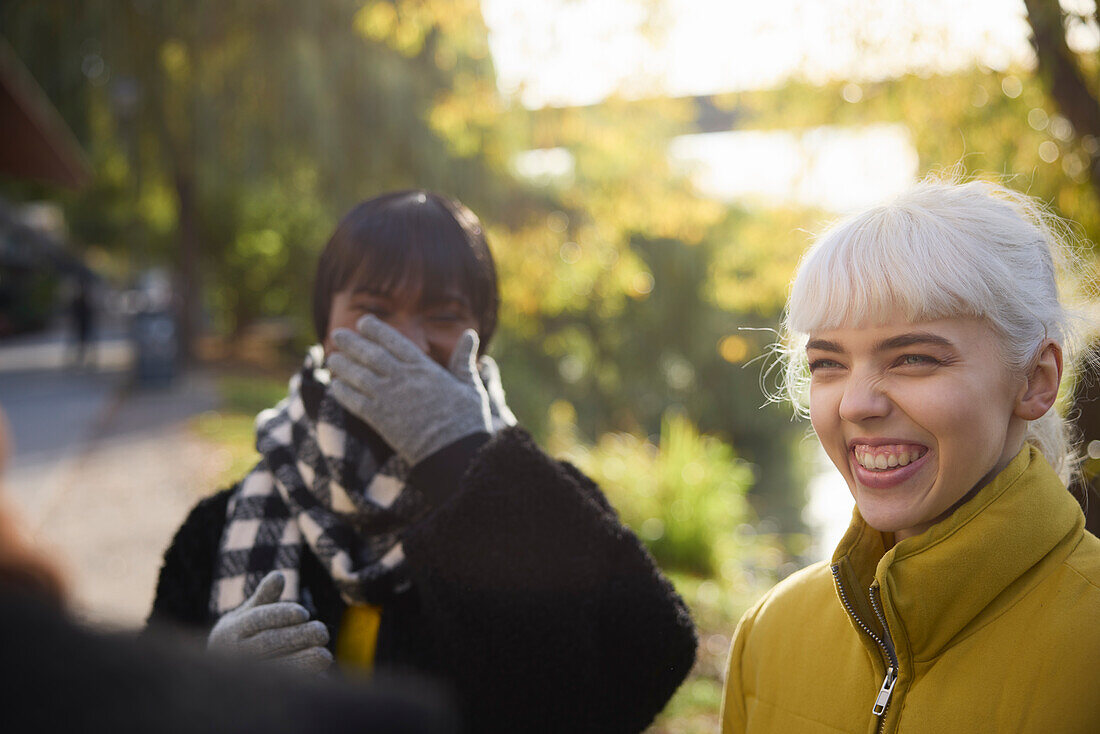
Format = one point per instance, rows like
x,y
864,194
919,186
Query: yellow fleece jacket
x,y
992,624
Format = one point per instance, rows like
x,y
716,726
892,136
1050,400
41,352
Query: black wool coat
x,y
529,599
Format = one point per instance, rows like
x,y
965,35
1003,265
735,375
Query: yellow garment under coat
x,y
993,615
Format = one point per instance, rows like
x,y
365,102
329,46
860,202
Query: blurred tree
x,y
1072,79
1069,76
623,300
230,136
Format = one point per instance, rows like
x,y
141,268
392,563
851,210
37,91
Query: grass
x,y
232,428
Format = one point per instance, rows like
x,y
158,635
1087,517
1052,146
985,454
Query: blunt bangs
x,y
410,237
888,263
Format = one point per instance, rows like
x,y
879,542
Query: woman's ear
x,y
1042,382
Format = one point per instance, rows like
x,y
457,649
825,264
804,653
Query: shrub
x,y
685,498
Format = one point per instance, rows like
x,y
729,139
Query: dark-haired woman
x,y
400,521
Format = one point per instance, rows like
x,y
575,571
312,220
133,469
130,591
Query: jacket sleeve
x,y
739,690
545,612
733,714
183,588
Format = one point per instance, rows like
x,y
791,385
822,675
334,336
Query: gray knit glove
x,y
416,406
264,627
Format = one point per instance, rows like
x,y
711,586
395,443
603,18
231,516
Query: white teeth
x,y
897,456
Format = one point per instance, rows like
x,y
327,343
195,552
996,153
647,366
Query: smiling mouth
x,y
887,457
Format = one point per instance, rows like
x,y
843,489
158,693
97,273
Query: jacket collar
x,y
939,586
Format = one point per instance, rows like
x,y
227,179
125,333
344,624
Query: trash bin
x,y
156,347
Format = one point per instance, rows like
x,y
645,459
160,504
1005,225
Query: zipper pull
x,y
885,692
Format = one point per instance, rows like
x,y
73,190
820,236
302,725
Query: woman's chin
x,y
889,511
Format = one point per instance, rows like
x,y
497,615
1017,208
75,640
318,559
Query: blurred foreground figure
x,y
927,338
399,520
56,676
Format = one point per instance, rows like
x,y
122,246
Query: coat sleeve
x,y
544,611
183,588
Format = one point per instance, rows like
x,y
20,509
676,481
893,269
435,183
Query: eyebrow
x,y
824,345
447,297
895,342
916,337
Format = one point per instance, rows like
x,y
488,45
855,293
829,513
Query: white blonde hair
x,y
940,250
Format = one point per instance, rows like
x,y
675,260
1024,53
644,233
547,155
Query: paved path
x,y
103,472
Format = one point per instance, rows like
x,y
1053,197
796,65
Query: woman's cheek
x,y
824,409
441,347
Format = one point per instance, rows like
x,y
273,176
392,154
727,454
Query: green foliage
x,y
232,427
684,497
249,395
692,710
675,346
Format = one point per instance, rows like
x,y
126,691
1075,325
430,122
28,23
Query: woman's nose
x,y
863,399
412,329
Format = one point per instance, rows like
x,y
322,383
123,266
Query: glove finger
x,y
286,640
490,377
271,616
355,401
364,379
269,590
462,363
489,371
385,335
361,352
311,660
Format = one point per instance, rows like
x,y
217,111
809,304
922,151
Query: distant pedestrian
x,y
82,311
399,510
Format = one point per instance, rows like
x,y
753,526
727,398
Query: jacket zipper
x,y
886,691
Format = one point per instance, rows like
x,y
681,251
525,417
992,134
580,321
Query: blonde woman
x,y
927,339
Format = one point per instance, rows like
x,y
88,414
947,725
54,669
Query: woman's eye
x,y
916,360
379,311
822,364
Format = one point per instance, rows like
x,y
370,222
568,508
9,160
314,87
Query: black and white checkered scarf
x,y
324,480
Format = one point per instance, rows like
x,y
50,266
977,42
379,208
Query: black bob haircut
x,y
411,236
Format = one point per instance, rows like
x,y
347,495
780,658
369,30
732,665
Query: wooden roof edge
x,y
34,104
